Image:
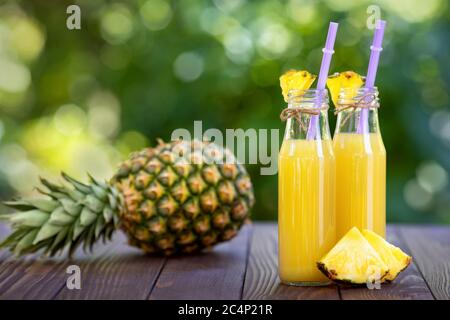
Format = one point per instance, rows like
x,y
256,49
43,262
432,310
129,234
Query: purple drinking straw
x,y
375,50
323,75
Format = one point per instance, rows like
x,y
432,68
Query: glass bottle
x,y
360,163
306,192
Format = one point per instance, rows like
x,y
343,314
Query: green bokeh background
x,y
81,100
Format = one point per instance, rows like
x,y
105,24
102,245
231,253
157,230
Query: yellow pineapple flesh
x,y
353,261
348,80
295,80
393,257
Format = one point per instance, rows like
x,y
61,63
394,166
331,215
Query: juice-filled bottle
x,y
306,193
360,163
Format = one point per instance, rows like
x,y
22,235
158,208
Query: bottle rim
x,y
361,90
352,95
306,97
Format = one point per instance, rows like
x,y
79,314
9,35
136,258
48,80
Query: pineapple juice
x,y
306,200
360,182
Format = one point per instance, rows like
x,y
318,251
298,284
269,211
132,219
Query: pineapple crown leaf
x,y
71,215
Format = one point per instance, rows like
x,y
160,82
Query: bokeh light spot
x,y
228,5
14,77
27,38
214,22
117,24
21,173
415,196
440,125
238,41
156,14
432,177
301,12
88,157
411,10
69,120
103,114
239,46
188,66
273,41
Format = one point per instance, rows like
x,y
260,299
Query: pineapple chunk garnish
x,y
345,80
393,257
353,261
295,80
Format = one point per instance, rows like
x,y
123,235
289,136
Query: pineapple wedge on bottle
x,y
348,80
393,257
353,261
295,80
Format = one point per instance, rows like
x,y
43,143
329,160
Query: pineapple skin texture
x,y
176,199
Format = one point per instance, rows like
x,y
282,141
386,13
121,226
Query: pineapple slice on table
x,y
345,80
393,257
353,261
295,80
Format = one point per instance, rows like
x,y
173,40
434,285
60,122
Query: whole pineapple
x,y
178,197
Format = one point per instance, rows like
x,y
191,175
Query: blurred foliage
x,y
81,100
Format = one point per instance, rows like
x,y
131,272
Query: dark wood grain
x,y
262,282
218,274
121,272
4,231
430,248
409,285
241,268
32,277
112,271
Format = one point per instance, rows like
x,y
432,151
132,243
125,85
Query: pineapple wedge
x,y
393,257
298,80
344,80
353,261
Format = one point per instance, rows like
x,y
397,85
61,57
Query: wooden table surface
x,y
244,268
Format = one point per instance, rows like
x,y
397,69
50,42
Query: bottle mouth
x,y
306,97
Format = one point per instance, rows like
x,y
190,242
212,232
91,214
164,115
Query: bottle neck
x,y
309,114
358,111
297,128
348,121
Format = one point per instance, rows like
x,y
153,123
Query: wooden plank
x,y
409,285
430,248
35,277
216,275
29,278
262,282
113,271
4,231
123,272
